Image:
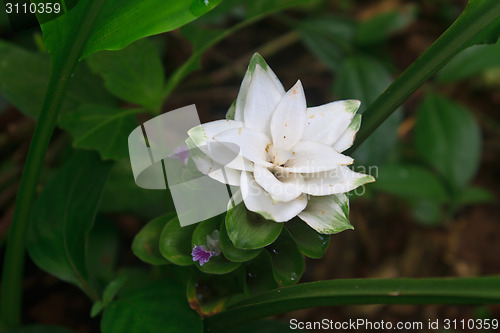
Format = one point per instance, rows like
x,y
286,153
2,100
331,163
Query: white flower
x,y
285,157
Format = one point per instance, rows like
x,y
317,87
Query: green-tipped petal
x,y
347,138
327,214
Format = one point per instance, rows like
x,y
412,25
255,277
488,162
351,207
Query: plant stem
x,y
476,17
61,69
359,291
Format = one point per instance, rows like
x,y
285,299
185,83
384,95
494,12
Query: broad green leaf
x,y
175,242
364,78
471,61
482,290
209,294
134,74
410,181
146,244
248,230
111,25
63,216
328,38
288,262
448,138
154,307
378,28
102,251
217,264
121,194
475,195
18,64
310,242
101,128
41,329
231,252
259,275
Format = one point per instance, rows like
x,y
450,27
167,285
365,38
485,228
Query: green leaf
x,y
378,28
259,275
159,306
91,123
121,194
146,244
134,74
248,230
63,216
288,262
476,195
310,242
17,64
217,264
328,38
448,137
482,290
102,251
209,294
427,212
410,181
41,329
231,252
175,242
364,78
113,26
471,61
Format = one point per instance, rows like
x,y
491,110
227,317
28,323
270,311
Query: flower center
x,y
278,157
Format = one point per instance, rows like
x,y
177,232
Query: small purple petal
x,y
201,254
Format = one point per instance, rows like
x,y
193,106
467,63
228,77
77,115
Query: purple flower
x,y
202,254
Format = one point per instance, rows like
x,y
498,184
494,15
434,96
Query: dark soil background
x,y
387,241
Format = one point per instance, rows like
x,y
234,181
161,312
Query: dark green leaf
x,y
102,251
448,137
259,274
248,230
217,264
154,307
101,128
265,326
63,216
410,181
134,74
476,195
427,212
146,244
175,242
310,242
121,194
469,62
364,78
328,38
231,252
378,28
288,262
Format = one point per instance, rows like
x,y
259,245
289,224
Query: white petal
x,y
261,100
327,214
347,138
326,123
338,180
282,186
308,156
288,121
259,201
213,169
245,84
252,144
204,134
